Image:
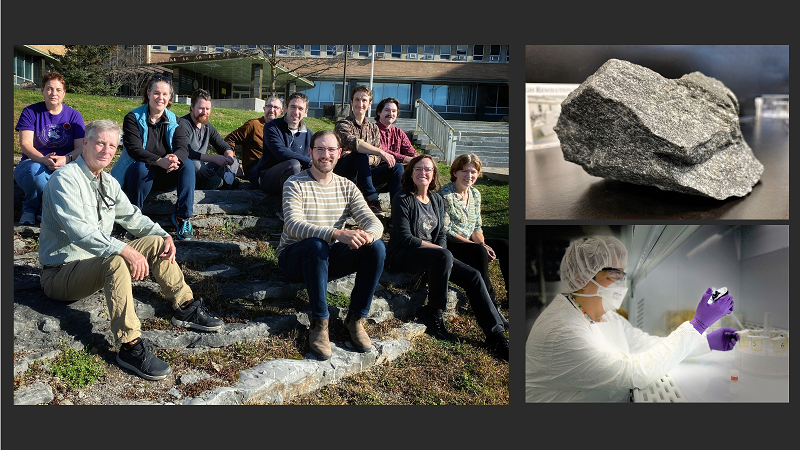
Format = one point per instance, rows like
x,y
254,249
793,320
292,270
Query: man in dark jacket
x,y
210,170
286,144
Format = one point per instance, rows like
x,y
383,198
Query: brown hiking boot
x,y
358,335
318,341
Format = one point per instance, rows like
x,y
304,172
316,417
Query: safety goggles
x,y
614,274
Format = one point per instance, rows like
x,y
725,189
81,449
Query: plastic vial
x,y
734,375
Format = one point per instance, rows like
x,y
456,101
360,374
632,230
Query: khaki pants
x,y
80,279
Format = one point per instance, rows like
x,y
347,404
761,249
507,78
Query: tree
x,y
85,69
298,67
129,68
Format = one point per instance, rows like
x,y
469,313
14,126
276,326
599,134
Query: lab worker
x,y
580,350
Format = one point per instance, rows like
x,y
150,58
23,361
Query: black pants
x,y
441,268
477,257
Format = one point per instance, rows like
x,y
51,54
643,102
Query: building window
x,y
396,51
400,91
444,52
330,50
380,51
283,50
461,52
477,53
236,48
494,53
411,52
497,100
507,52
155,47
443,98
219,48
188,48
315,50
299,50
203,48
252,47
267,49
323,93
172,48
363,51
428,49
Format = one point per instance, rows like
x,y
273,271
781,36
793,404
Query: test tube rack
x,y
763,362
663,390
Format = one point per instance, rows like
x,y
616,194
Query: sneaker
x,y
375,206
140,359
27,218
498,345
195,316
183,228
434,324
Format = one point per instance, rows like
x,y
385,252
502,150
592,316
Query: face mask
x,y
612,295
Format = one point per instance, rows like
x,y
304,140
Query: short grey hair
x,y
274,97
96,126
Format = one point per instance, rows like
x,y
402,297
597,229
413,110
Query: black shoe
x,y
183,228
434,324
195,316
498,345
140,359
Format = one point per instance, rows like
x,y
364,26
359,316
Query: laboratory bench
x,y
557,189
707,378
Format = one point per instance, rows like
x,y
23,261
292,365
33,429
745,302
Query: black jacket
x,y
404,227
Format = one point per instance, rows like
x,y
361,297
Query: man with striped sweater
x,y
315,247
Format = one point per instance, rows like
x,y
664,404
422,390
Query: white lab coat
x,y
569,359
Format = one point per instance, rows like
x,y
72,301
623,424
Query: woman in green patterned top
x,y
463,223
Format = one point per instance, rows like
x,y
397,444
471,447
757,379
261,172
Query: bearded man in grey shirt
x,y
80,205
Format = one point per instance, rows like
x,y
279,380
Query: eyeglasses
x,y
423,169
273,107
328,149
615,274
156,78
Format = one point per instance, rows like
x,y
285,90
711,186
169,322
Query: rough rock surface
x,y
629,123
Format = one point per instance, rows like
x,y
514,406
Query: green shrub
x,y
77,368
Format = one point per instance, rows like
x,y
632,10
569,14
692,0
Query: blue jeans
x,y
31,176
140,179
315,262
355,167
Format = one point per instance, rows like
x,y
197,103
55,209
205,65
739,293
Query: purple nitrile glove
x,y
723,339
707,314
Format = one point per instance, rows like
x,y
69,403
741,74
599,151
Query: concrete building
x,y
460,82
33,61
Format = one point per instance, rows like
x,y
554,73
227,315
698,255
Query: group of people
x,y
323,179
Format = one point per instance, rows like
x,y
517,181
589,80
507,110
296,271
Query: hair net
x,y
587,256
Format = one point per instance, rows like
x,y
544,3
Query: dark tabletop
x,y
561,190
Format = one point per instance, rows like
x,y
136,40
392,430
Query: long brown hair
x,y
407,180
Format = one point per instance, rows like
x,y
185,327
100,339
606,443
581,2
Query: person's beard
x,y
201,119
318,165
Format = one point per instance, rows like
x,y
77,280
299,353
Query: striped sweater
x,y
311,209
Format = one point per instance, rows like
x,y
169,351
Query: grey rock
x,y
221,271
35,394
205,202
628,123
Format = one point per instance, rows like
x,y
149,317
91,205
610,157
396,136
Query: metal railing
x,y
438,130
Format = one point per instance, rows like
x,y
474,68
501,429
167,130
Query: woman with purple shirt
x,y
50,135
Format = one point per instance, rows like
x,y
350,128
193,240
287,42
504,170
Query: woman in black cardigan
x,y
418,244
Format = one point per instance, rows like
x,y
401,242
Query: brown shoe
x,y
358,335
375,206
318,341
